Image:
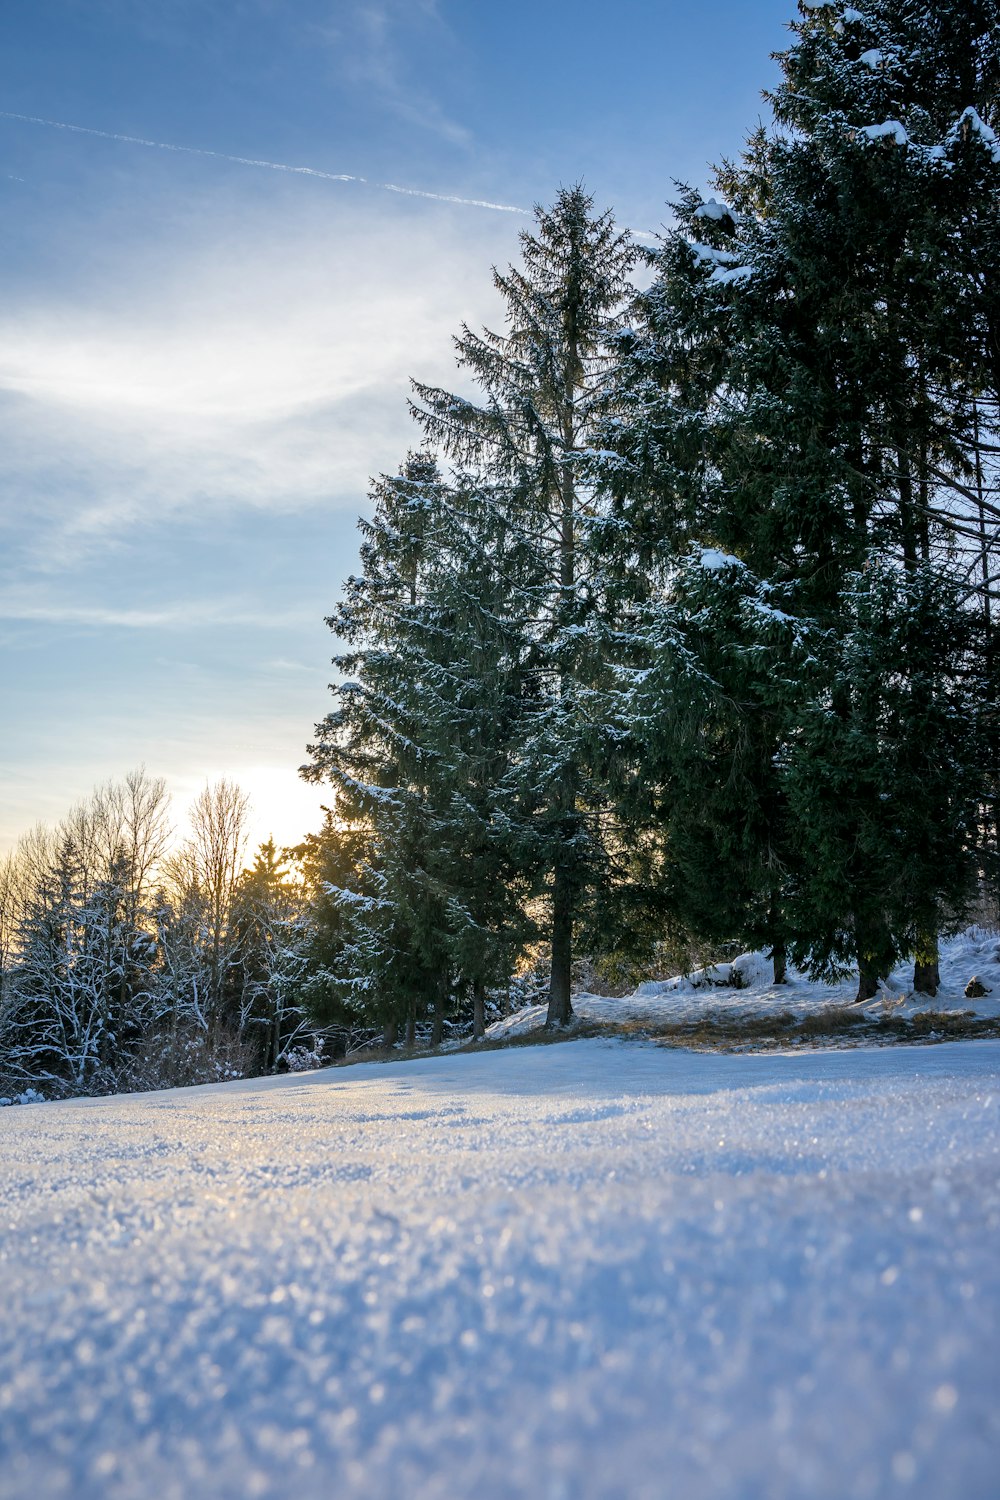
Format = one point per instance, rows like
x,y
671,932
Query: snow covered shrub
x,y
301,1059
189,1056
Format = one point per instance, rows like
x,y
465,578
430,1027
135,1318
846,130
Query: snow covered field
x,y
710,993
597,1269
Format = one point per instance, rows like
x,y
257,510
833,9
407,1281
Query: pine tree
x,y
797,391
544,385
394,956
420,752
84,987
271,939
710,711
883,778
326,862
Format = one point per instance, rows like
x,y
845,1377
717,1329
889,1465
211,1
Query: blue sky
x,y
202,361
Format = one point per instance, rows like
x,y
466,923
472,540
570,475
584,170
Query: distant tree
x,y
83,992
328,864
205,875
271,939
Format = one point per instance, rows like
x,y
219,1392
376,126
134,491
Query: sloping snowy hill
x,y
589,1270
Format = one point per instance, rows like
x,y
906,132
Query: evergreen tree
x,y
328,863
710,711
84,991
271,938
797,391
544,387
418,750
370,747
883,778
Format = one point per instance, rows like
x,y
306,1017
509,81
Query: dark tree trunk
x,y
875,956
411,1030
478,1009
389,1034
437,1025
926,969
779,958
868,978
560,1005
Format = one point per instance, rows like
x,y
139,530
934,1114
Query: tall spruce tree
x,y
545,384
370,747
420,751
795,392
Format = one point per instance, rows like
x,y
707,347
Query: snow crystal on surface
x,y
592,1270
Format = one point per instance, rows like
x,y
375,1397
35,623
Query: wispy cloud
x,y
184,615
379,44
265,367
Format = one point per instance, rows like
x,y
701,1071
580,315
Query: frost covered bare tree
x,y
115,952
198,908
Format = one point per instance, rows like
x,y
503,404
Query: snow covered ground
x,y
710,993
598,1269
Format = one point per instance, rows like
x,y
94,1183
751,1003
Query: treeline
x,y
129,960
684,621
136,955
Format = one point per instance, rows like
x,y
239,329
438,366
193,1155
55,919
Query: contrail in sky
x,y
271,166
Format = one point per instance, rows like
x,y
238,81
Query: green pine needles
x,y
685,621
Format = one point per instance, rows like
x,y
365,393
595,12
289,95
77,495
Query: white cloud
x,y
266,364
183,615
177,381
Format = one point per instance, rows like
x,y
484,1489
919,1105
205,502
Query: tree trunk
x,y
437,1026
868,978
926,968
779,958
389,1034
560,1011
411,1030
875,956
906,515
478,1010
